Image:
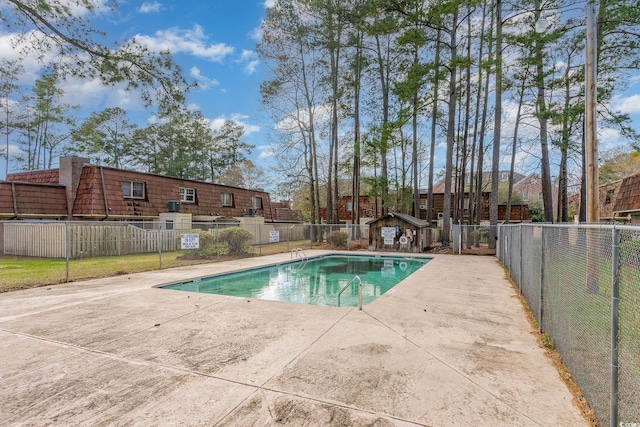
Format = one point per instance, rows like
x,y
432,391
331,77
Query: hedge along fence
x,y
50,240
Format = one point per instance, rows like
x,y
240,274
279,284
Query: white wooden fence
x,y
49,240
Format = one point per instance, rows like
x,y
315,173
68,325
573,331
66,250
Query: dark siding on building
x,y
50,176
159,191
32,200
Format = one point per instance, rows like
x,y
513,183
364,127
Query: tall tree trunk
x,y
543,120
446,211
495,167
434,117
465,133
583,179
355,184
459,155
563,208
483,126
472,203
414,155
6,164
334,34
384,139
514,144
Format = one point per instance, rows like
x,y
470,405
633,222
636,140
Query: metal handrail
x,y
359,291
297,252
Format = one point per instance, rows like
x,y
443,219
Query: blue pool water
x,y
316,281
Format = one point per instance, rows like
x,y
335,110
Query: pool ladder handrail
x,y
359,291
297,251
300,254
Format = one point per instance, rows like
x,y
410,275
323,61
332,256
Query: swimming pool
x,y
315,281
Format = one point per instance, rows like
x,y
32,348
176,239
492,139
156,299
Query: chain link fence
x,y
468,236
582,283
72,250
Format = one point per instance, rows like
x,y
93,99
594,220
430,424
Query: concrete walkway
x,y
448,346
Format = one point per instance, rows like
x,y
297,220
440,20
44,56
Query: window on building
x,y
188,195
133,190
525,196
256,202
227,199
349,206
609,199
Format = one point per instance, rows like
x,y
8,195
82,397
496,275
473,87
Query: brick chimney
x,y
70,171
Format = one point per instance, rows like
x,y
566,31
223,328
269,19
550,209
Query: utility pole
x,y
591,128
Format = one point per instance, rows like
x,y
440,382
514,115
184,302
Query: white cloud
x,y
150,7
247,55
250,68
204,82
269,3
266,151
321,113
257,33
155,120
609,138
32,64
193,42
83,92
218,122
76,8
627,105
124,98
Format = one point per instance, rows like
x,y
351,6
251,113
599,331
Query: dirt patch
x,y
482,250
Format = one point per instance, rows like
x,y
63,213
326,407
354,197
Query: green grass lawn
x,y
22,272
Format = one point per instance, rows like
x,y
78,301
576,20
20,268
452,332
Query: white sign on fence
x,y
388,234
189,241
274,236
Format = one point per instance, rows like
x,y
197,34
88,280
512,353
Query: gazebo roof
x,y
416,222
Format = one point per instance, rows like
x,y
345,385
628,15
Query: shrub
x,y
338,238
481,234
236,238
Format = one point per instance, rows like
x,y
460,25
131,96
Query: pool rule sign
x,y
388,234
189,241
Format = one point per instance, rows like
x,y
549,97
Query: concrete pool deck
x,y
448,346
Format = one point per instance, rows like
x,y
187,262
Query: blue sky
x,y
214,41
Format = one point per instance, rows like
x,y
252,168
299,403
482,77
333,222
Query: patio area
x,y
448,346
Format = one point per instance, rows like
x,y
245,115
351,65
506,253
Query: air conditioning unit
x,y
423,206
440,215
173,206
